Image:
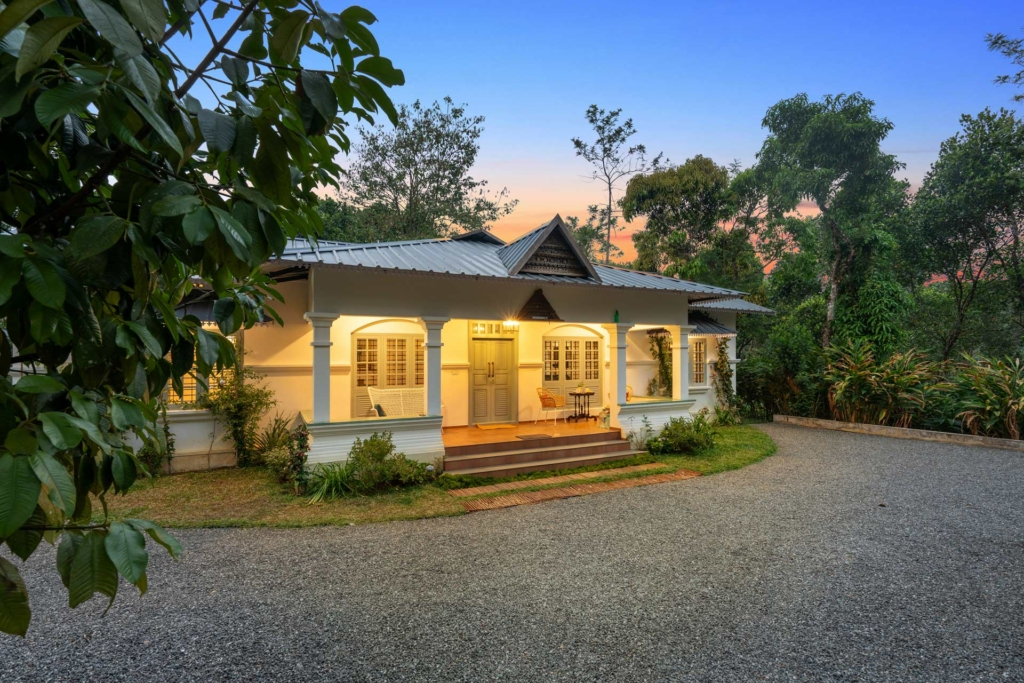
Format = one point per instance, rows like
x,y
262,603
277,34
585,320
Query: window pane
x,y
699,362
419,363
366,362
396,363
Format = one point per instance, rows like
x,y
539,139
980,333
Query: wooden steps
x,y
511,457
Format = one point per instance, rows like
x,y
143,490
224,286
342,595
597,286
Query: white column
x,y
680,361
733,360
617,370
432,326
321,344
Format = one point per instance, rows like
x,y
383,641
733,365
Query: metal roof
x,y
702,324
512,252
477,259
737,305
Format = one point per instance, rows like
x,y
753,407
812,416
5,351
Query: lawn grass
x,y
251,498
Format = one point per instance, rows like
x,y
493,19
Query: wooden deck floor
x,y
468,436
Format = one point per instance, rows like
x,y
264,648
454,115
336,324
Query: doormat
x,y
533,436
497,426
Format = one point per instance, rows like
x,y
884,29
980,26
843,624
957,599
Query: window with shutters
x,y
699,352
389,361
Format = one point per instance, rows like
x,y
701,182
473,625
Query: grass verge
x,y
251,497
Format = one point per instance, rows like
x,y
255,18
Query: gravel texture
x,y
843,557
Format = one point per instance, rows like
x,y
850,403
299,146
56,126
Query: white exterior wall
x,y
379,302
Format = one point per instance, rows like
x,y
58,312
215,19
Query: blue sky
x,y
695,77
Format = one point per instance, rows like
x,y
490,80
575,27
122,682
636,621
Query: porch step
x,y
548,451
512,469
514,444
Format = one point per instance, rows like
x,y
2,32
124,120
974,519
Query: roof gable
x,y
548,250
484,236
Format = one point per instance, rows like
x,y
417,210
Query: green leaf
x,y
91,570
96,234
382,69
245,106
66,98
198,225
59,429
218,130
147,338
124,471
208,351
286,38
236,70
91,431
245,140
111,26
236,235
157,533
319,91
66,551
9,276
271,170
141,73
156,121
42,40
17,12
38,384
126,548
43,281
149,16
125,414
376,92
224,311
21,441
357,14
60,488
25,541
176,205
14,245
19,491
14,612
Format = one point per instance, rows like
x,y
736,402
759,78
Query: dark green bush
x,y
372,466
680,435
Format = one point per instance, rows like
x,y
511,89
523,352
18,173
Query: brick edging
x,y
903,433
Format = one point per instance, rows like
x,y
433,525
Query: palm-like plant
x,y
991,396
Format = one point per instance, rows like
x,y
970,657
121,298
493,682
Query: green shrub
x,y
240,405
692,436
990,396
895,392
276,435
155,455
287,460
727,416
372,466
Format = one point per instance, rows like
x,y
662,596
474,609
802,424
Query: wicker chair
x,y
549,402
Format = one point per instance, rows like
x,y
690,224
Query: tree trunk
x,y
608,226
833,295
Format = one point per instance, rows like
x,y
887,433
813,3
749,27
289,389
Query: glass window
x,y
699,351
552,366
366,362
420,367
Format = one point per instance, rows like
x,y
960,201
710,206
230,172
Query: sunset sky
x,y
695,77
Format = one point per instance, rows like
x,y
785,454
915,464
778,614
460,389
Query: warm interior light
x,y
510,323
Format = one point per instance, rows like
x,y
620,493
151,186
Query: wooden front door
x,y
493,385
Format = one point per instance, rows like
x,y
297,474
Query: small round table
x,y
581,406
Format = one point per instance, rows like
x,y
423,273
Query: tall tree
x,y
121,192
684,206
614,159
1012,49
960,225
829,152
413,181
589,236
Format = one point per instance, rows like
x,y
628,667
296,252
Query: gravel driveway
x,y
842,557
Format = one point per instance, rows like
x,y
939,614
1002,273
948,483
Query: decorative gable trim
x,y
553,251
538,308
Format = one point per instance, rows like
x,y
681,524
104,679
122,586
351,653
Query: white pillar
x,y
432,325
733,360
680,361
321,344
617,370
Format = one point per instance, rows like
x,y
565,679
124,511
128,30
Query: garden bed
x,y
251,497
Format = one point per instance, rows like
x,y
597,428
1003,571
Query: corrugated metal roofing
x,y
471,258
513,251
705,325
737,305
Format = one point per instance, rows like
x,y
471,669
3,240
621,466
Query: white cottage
x,y
460,347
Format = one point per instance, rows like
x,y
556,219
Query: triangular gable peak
x,y
549,250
